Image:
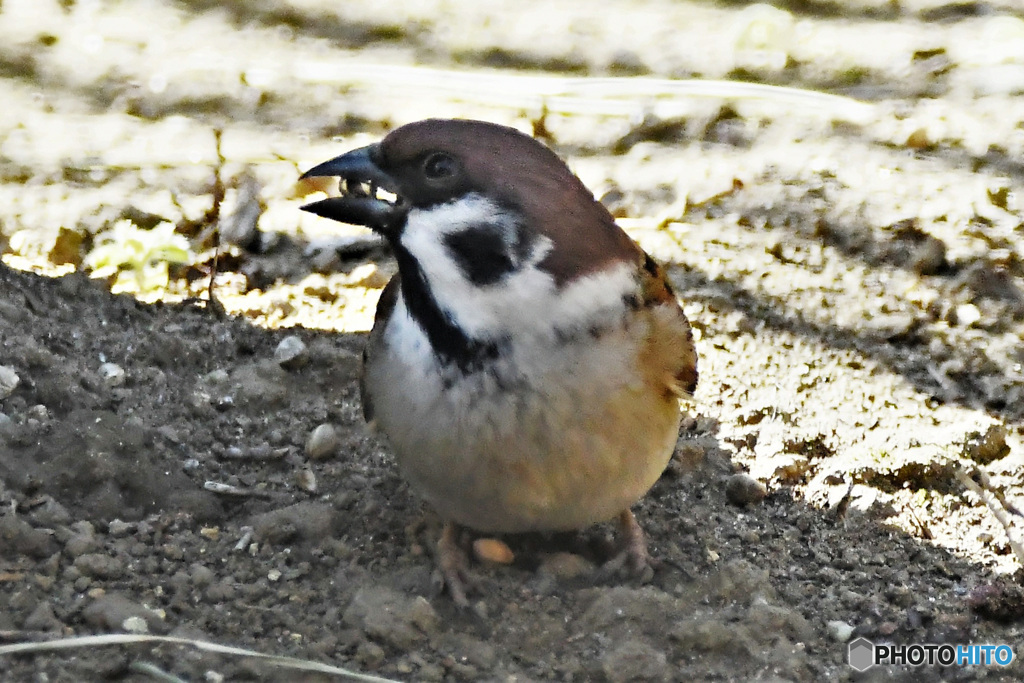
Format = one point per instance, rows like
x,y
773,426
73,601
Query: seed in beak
x,y
383,195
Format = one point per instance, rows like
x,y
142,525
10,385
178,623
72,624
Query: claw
x,y
632,556
454,564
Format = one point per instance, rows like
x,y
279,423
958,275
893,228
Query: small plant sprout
x,y
138,258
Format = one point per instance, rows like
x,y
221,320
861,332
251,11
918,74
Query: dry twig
x,y
129,639
995,502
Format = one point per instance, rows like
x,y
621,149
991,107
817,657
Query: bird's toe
x,y
632,559
453,563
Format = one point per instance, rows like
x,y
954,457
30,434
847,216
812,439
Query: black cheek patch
x,y
482,254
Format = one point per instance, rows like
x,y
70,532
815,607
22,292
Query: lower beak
x,y
367,192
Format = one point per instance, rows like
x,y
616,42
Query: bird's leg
x,y
632,554
454,564
634,543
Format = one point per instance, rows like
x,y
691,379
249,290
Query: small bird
x,y
526,362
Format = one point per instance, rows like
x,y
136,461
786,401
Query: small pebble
x,y
8,381
566,566
112,374
291,353
135,624
220,592
115,612
201,575
116,527
492,550
218,376
99,566
967,314
742,489
839,630
928,257
80,544
322,442
38,412
370,654
84,526
305,479
919,139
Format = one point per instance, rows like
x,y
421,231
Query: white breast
x,y
551,436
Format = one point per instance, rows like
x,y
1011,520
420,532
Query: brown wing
x,y
671,353
385,306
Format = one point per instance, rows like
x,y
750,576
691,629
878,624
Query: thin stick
x,y
130,639
991,500
213,216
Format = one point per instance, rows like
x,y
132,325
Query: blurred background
x,y
146,127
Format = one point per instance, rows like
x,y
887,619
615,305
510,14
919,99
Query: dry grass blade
x,y
126,639
660,97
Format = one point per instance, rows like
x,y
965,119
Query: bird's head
x,y
494,235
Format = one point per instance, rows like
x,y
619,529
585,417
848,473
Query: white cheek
x,y
525,302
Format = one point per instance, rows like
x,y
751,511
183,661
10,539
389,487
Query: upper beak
x,y
369,195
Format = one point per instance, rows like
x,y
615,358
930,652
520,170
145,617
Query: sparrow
x,y
527,360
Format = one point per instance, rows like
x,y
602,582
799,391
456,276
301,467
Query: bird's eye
x,y
439,166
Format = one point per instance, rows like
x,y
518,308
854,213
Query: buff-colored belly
x,y
563,449
558,477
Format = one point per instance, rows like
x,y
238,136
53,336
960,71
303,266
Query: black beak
x,y
369,195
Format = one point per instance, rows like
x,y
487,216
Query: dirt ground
x,y
853,267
